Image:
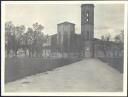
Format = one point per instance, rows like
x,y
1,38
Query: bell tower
x,y
87,28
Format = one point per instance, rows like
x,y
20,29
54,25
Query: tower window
x,y
87,20
87,14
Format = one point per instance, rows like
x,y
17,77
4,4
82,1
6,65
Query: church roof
x,y
83,5
66,22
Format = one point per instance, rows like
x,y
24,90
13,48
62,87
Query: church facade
x,y
70,42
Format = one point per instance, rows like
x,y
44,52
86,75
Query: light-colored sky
x,y
109,18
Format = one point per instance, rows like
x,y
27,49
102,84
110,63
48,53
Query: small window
x,y
87,20
87,14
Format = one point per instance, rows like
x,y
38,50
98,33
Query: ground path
x,y
86,75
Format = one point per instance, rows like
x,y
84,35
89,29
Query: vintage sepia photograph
x,y
63,47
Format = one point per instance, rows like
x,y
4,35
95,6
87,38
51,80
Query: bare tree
x,y
10,38
19,33
38,38
106,45
119,40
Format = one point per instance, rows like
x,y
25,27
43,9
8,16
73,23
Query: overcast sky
x,y
109,18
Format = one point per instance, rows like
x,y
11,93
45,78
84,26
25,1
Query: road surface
x,y
88,75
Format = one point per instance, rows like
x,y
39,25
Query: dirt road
x,y
83,76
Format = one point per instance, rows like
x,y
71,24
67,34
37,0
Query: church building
x,y
83,44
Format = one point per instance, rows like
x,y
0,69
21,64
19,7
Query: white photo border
x,y
124,93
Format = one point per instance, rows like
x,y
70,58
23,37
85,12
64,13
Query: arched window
x,y
87,14
87,19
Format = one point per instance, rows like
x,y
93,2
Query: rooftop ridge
x,y
66,22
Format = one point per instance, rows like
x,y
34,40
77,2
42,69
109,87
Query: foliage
x,y
109,46
17,37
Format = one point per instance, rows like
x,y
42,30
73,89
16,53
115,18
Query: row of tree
x,y
32,39
18,37
115,46
119,38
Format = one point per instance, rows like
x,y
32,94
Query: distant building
x,y
65,31
54,46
